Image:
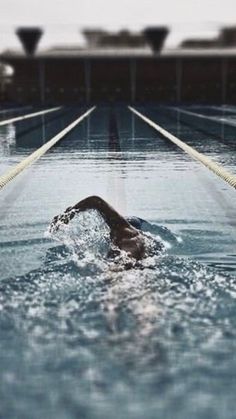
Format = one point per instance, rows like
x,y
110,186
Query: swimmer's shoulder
x,y
136,222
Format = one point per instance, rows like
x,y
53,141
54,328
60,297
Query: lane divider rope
x,y
12,173
206,161
225,121
11,110
223,109
30,115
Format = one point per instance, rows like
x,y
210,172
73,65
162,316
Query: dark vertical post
x,y
224,74
42,81
2,82
43,128
133,128
133,79
224,77
87,78
178,80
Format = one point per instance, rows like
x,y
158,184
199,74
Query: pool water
x,y
83,338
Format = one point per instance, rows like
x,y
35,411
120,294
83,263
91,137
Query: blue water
x,y
81,337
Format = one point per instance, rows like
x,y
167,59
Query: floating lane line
x,y
201,116
29,115
206,161
10,110
12,173
224,109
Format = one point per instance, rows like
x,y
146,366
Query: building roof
x,y
72,53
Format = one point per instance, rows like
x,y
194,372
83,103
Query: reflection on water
x,y
7,139
81,337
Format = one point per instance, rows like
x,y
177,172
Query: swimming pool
x,y
77,340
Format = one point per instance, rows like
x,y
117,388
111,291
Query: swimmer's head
x,y
135,222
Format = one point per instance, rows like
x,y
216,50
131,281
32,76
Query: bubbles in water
x,y
87,236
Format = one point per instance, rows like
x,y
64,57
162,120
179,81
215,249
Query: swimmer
x,y
123,234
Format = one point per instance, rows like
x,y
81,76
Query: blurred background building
x,y
120,66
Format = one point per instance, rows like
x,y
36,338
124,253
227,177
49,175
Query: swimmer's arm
x,y
110,215
114,220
